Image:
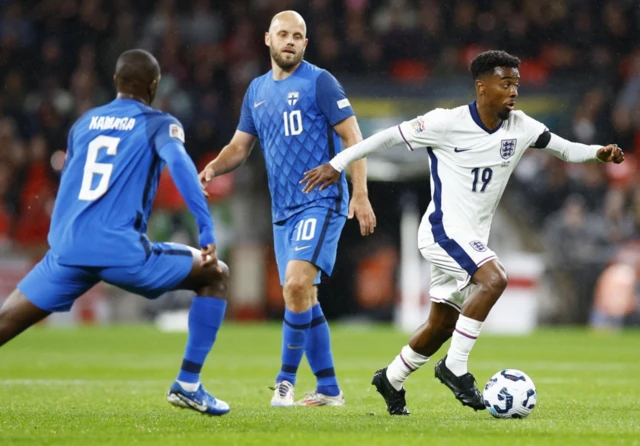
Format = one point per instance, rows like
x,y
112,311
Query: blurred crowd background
x,y
396,59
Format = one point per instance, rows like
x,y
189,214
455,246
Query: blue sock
x,y
205,318
318,351
294,335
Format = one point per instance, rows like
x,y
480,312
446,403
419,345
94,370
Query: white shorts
x,y
453,263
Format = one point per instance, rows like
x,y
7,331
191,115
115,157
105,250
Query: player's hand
x,y
209,257
205,178
361,208
323,176
611,154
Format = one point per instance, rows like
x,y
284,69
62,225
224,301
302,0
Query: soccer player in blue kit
x,y
115,154
300,114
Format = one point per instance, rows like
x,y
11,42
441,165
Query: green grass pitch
x,y
106,386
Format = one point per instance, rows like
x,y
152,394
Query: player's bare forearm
x,y
229,159
359,207
232,156
350,133
358,171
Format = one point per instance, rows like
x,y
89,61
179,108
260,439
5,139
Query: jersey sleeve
x,y
537,133
185,177
246,124
331,99
424,131
168,129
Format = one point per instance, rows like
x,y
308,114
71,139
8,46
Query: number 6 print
x,y
92,167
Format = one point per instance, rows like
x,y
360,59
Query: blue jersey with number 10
x,y
108,184
294,120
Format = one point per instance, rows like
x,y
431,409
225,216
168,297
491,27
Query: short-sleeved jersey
x,y
108,184
294,120
470,167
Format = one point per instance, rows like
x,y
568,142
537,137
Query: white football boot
x,y
282,394
318,399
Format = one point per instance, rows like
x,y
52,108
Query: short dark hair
x,y
485,63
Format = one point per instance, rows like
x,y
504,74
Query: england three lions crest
x,y
507,148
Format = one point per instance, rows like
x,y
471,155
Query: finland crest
x,y
292,98
507,148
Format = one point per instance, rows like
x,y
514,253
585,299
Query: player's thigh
x,y
458,256
206,280
53,287
314,238
166,267
281,237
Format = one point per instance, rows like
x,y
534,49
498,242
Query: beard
x,y
504,114
285,64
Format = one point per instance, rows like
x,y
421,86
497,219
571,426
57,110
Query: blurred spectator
x,y
617,294
57,59
626,116
577,250
203,25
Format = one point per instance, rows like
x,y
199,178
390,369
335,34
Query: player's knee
x,y
222,276
295,288
296,294
218,282
497,281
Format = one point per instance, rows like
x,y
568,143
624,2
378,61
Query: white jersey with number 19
x,y
470,167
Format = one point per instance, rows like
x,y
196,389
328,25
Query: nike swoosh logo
x,y
200,407
300,248
460,150
258,104
294,347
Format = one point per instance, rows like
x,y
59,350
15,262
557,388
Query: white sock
x,y
189,387
464,336
404,365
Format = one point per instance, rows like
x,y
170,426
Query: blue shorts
x,y
55,287
310,235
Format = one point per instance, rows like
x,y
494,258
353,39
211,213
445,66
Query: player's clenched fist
x,y
611,154
323,176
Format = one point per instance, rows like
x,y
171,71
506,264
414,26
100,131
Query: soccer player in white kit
x,y
473,149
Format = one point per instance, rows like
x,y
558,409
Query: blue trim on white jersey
x,y
473,108
452,247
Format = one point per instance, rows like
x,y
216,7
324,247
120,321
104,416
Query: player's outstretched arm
x,y
185,177
232,156
574,152
327,174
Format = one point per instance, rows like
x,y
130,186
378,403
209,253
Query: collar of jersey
x,y
473,108
298,70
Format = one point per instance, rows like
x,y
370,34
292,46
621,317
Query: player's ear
x,y
267,39
480,87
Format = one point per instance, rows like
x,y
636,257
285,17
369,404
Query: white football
x,y
510,394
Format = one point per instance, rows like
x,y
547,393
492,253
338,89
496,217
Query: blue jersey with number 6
x,y
108,184
294,119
